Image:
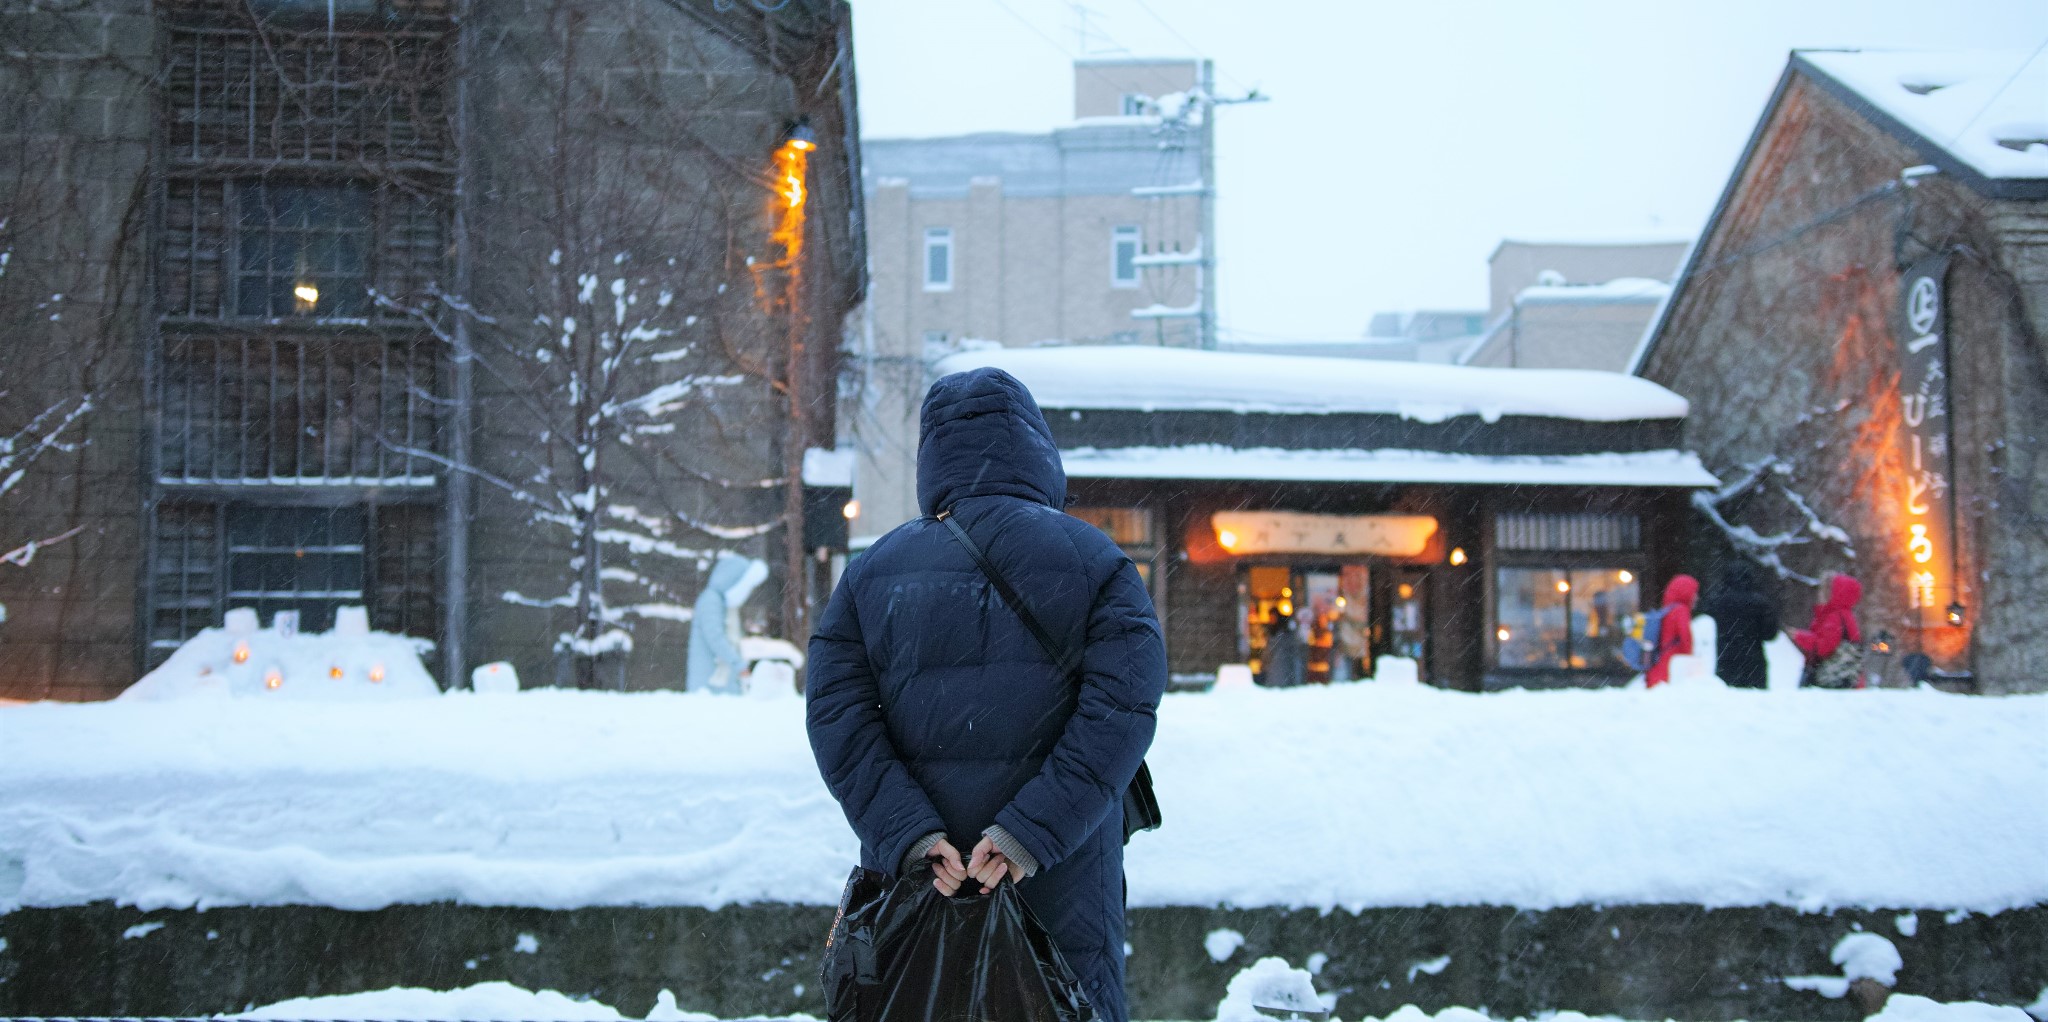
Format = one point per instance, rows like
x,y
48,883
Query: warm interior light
x,y
307,295
1287,590
1407,591
377,672
1287,607
1501,633
1457,556
1342,603
1227,539
1625,577
851,510
1563,586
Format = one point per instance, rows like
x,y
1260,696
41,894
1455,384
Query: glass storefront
x,y
1327,607
1564,584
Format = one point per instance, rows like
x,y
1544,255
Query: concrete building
x,y
1090,234
1559,305
286,282
1859,334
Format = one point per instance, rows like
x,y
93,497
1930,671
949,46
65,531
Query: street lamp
x,y
801,136
1955,615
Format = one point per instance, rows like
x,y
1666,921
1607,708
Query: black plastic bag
x,y
902,952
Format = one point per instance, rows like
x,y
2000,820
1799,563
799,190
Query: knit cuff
x,y
923,848
1011,849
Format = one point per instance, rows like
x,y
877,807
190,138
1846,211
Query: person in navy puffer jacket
x,y
937,719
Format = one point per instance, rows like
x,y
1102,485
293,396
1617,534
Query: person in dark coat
x,y
937,719
1285,663
1744,619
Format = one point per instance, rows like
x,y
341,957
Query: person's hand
x,y
988,865
947,873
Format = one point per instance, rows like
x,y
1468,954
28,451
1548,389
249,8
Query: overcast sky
x,y
1405,140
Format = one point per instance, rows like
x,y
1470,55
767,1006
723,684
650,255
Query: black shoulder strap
x,y
1009,595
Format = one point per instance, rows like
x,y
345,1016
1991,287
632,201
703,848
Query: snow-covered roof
x,y
1142,378
1986,108
1213,462
1620,289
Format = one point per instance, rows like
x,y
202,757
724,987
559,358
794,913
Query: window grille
x,y
337,239
308,559
210,556
249,410
185,586
1567,532
290,94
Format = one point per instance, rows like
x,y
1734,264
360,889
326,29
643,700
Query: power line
x,y
2016,73
1197,51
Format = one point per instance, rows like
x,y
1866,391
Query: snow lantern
x,y
496,678
1396,670
285,623
1234,677
240,621
772,679
352,622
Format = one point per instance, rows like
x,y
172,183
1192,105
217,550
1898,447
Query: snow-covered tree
x,y
27,434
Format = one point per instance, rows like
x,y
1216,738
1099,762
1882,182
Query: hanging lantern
x,y
1955,615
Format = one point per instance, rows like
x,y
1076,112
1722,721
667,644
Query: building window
x,y
1133,528
938,259
1567,532
306,559
1564,618
302,251
1124,245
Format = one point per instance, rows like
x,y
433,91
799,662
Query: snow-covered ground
x,y
1266,983
554,799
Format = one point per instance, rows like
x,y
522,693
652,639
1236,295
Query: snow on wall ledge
x,y
1354,796
1151,379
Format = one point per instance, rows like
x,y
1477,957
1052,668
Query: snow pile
x,y
555,799
484,1002
1221,944
1861,956
1152,378
1273,985
1909,1008
242,661
1985,107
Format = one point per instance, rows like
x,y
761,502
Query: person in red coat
x,y
1834,622
1674,633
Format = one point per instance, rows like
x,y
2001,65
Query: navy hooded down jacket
x,y
931,707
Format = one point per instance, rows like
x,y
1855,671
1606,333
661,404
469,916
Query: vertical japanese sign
x,y
1926,438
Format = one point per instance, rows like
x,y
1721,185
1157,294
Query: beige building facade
x,y
1572,305
1090,234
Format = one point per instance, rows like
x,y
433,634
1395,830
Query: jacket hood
x,y
981,435
1681,589
1843,592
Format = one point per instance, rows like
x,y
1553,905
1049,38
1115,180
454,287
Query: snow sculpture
x,y
715,661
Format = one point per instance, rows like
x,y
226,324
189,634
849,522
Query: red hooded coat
x,y
1674,633
1833,621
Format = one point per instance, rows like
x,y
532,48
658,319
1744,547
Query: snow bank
x,y
1983,106
484,1002
556,799
1151,378
1909,1008
1274,986
240,660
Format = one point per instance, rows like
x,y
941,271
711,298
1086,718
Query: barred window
x,y
302,250
310,560
185,589
338,240
249,410
1567,532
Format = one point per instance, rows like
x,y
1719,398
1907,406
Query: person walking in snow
x,y
1833,643
1674,632
939,721
1744,619
1285,663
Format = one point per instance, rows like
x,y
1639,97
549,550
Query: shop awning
x,y
1634,468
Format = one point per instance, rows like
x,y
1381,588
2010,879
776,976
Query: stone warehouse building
x,y
1860,331
501,320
